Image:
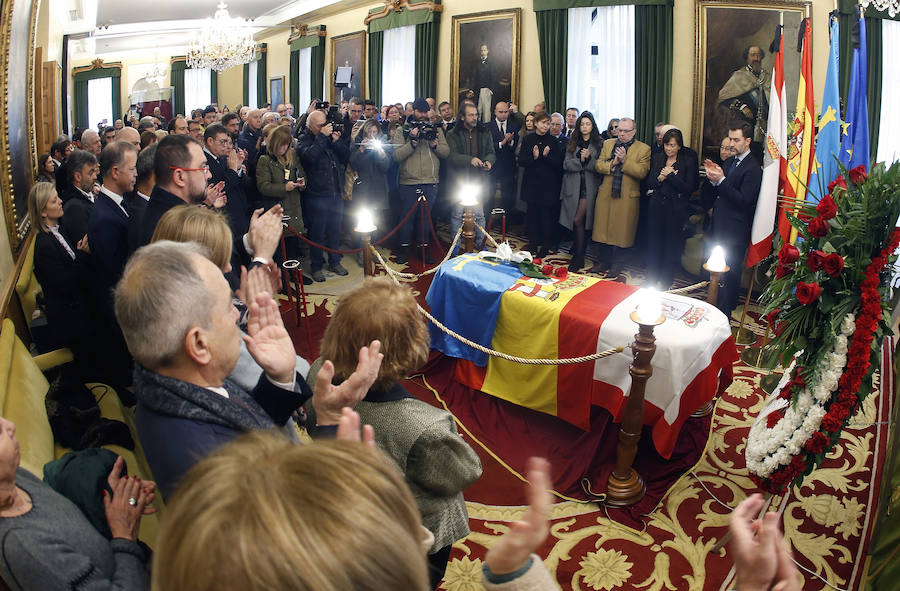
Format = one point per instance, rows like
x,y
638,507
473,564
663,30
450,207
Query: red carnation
x,y
834,264
547,270
788,254
818,227
858,174
781,271
538,261
807,293
816,443
815,260
838,182
827,208
561,272
831,423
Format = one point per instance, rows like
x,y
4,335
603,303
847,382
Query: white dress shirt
x,y
117,199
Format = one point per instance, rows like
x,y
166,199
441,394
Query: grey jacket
x,y
421,165
573,170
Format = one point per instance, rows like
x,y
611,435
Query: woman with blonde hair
x,y
420,438
332,516
280,176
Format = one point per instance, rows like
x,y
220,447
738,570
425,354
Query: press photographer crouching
x,y
420,158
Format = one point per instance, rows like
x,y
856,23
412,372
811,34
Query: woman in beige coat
x,y
623,163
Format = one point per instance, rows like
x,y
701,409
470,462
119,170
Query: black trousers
x,y
437,565
507,184
540,224
731,281
665,238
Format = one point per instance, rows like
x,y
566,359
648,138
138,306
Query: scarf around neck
x,y
617,170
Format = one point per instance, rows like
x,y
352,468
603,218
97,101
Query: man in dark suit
x,y
138,199
108,224
736,185
226,165
78,195
505,135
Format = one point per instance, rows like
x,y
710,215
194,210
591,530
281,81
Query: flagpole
x,y
737,335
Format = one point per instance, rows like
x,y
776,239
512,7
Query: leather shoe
x,y
338,269
599,268
307,280
318,276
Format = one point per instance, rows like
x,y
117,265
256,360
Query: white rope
x,y
688,288
490,238
413,277
491,352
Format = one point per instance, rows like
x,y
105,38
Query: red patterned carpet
x,y
664,543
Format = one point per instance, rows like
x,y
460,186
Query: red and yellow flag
x,y
802,139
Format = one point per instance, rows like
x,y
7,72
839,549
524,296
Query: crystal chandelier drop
x,y
224,42
892,7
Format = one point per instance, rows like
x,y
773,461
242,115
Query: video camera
x,y
427,130
335,118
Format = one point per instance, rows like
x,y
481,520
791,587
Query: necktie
x,y
734,164
502,129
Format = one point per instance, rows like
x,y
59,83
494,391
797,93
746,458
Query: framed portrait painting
x,y
348,51
485,59
733,69
276,90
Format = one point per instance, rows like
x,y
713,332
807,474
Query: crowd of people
x,y
157,258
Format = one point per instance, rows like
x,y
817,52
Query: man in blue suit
x,y
108,224
735,186
505,135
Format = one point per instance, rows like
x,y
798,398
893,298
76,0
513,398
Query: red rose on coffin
x,y
782,271
838,182
807,293
815,260
538,261
561,272
788,254
547,270
858,174
827,208
818,227
834,264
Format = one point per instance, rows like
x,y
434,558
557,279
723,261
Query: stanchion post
x,y
469,202
716,267
737,335
365,225
625,486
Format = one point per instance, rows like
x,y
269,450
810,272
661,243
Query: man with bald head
x,y
505,136
130,135
324,154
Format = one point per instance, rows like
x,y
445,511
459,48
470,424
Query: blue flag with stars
x,y
855,139
828,138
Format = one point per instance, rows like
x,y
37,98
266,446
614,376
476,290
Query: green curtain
x,y
262,80
427,57
653,42
177,82
317,70
874,70
246,83
294,78
553,35
376,55
80,98
213,86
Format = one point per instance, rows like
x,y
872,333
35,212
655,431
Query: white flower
x,y
848,325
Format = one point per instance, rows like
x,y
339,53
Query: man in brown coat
x,y
623,162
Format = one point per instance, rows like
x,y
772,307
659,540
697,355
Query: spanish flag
x,y
802,139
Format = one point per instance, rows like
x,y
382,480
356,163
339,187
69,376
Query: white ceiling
x,y
116,29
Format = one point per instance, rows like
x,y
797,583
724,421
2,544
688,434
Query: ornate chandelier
x,y
224,42
892,7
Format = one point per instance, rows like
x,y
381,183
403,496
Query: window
x,y
99,102
303,74
888,140
398,65
251,84
196,89
601,62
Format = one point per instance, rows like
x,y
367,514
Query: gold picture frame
x,y
724,31
276,91
501,31
348,50
18,160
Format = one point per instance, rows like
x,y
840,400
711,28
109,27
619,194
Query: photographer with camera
x,y
472,157
323,154
420,164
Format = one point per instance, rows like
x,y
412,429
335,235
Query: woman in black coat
x,y
371,159
541,156
672,179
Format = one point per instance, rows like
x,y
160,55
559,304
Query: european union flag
x,y
465,296
855,140
828,138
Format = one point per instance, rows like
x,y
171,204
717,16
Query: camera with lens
x,y
427,130
334,117
321,105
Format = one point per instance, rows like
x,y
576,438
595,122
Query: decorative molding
x,y
398,6
303,30
97,64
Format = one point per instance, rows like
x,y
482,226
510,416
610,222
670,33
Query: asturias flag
x,y
774,164
828,138
802,141
855,141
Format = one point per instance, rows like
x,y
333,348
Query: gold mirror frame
x,y
17,139
516,15
700,34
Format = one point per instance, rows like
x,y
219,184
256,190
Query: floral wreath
x,y
829,308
